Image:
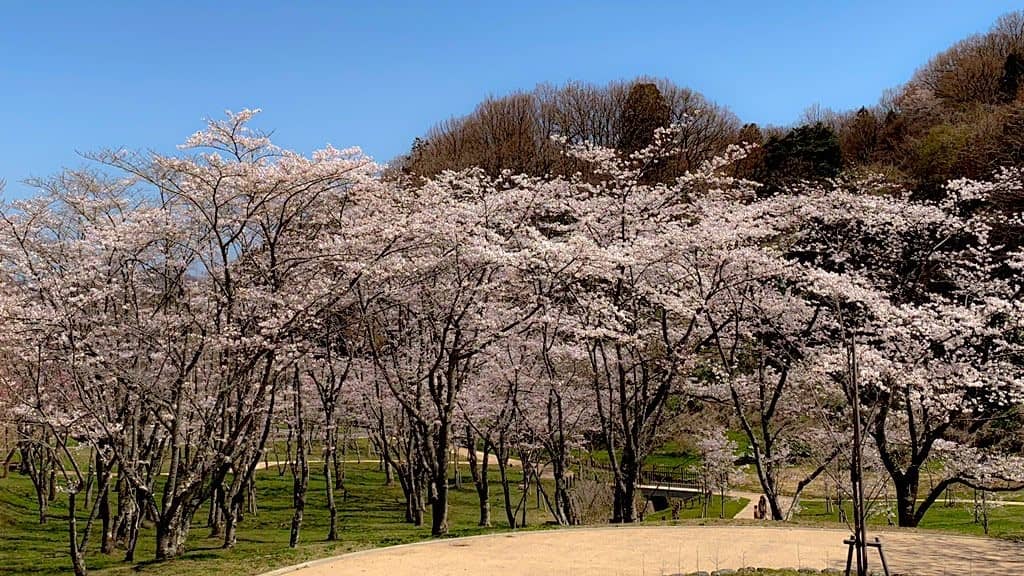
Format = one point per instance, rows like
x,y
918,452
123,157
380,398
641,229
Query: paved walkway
x,y
747,513
664,550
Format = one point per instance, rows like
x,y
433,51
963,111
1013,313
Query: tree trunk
x,y
385,451
624,501
626,477
250,496
906,503
439,484
36,462
42,502
215,519
331,465
501,452
300,471
439,509
171,533
774,505
565,511
232,515
299,502
332,508
126,524
478,470
77,559
103,476
339,460
407,481
527,477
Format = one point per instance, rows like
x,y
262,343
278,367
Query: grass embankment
x,y
692,510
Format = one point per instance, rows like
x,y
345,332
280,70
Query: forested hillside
x,y
961,115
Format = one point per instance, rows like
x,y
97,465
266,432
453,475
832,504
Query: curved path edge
x,y
665,550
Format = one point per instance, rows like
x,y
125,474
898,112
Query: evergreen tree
x,y
1013,71
809,152
644,111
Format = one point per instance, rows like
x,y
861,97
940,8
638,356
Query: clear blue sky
x,y
79,76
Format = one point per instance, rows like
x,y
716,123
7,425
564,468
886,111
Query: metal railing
x,y
678,476
669,477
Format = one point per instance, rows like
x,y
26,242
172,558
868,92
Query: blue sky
x,y
80,76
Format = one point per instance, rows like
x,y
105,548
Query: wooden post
x,y
856,470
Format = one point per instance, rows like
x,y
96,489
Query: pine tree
x,y
644,111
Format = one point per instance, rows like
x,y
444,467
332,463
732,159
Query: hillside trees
x,y
514,133
810,152
643,113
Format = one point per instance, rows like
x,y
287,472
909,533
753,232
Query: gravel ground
x,y
663,550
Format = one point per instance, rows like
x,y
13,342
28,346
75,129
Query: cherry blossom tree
x,y
457,291
487,413
556,412
718,464
764,369
915,286
180,293
651,259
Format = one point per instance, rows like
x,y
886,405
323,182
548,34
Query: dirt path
x,y
647,551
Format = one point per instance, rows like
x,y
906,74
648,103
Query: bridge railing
x,y
670,476
653,475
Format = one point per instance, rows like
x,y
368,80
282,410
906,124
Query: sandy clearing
x,y
662,550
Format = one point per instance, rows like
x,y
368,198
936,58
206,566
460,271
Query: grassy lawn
x,y
692,510
672,454
371,516
1004,521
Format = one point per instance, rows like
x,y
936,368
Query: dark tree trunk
x,y
103,476
439,509
478,470
330,465
626,477
502,453
300,470
232,516
906,500
171,533
36,461
564,511
439,483
215,519
332,508
77,558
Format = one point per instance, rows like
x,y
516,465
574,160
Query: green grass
x,y
692,510
1004,521
371,516
670,455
